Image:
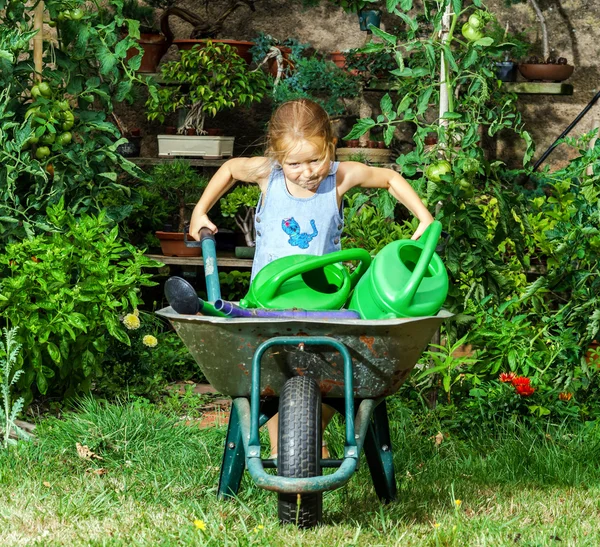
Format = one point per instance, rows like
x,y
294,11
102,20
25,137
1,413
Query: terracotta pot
x,y
172,244
339,59
154,47
546,72
592,355
170,130
242,48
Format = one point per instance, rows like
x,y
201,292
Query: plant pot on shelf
x,y
204,146
154,46
592,355
368,17
132,148
506,71
244,251
172,244
241,47
545,72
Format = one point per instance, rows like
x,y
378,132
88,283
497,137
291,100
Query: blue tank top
x,y
286,225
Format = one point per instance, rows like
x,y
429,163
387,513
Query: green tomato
x,y
438,169
48,138
63,105
42,152
470,33
67,14
68,120
51,23
35,91
60,16
466,187
65,138
476,21
45,89
77,14
33,139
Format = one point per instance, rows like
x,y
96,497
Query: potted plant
x,y
178,183
240,204
549,68
276,54
207,26
510,47
205,80
152,43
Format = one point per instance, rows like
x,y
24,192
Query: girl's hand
x,y
199,222
421,228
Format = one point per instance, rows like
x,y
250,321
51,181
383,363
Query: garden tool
x,y
306,281
406,279
183,299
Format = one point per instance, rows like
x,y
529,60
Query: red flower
x,y
506,377
522,386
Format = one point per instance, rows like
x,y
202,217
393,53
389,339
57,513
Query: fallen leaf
x,y
46,484
438,438
84,452
100,471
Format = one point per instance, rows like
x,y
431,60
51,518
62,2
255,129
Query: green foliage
x,y
178,183
8,359
369,222
234,284
264,42
240,204
65,290
207,79
319,80
82,76
155,357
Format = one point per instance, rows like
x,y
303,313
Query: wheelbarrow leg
x,y
234,456
378,451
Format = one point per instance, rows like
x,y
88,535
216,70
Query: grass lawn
x,y
149,482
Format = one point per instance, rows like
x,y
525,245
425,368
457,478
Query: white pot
x,y
200,146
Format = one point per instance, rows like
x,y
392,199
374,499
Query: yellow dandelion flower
x,y
131,321
258,528
200,524
457,502
436,525
150,341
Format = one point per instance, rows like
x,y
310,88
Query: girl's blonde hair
x,y
295,121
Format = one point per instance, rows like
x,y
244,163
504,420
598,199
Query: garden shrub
x,y
66,290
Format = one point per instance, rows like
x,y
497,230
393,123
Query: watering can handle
x,y
331,258
431,236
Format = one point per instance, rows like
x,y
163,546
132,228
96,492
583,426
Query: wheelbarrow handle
x,y
209,256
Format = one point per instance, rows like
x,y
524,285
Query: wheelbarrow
x,y
292,366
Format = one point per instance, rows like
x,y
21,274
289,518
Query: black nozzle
x,y
182,296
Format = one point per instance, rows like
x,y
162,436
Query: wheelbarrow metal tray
x,y
383,352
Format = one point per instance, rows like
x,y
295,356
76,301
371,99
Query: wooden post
x,y
444,72
38,40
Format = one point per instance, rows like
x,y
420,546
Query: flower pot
x,y
196,146
506,71
172,244
593,353
242,48
154,46
244,252
546,72
368,17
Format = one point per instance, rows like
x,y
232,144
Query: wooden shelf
x,y
225,261
538,88
194,162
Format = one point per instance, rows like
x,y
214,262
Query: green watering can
x,y
306,281
407,279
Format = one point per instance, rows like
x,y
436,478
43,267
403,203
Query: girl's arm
x,y
242,169
353,173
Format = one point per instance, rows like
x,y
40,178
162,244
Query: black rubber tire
x,y
299,450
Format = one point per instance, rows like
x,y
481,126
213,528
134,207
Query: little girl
x,y
300,209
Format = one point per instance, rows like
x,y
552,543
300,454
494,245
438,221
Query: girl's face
x,y
305,166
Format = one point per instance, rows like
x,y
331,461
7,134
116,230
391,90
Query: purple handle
x,y
233,310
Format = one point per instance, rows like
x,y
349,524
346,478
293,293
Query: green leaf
x,y
389,38
451,116
54,352
360,128
386,105
484,42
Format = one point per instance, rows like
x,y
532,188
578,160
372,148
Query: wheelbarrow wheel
x,y
300,449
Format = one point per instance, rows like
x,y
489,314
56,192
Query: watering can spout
x,y
406,279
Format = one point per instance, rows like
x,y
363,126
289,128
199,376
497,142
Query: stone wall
x,y
573,29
